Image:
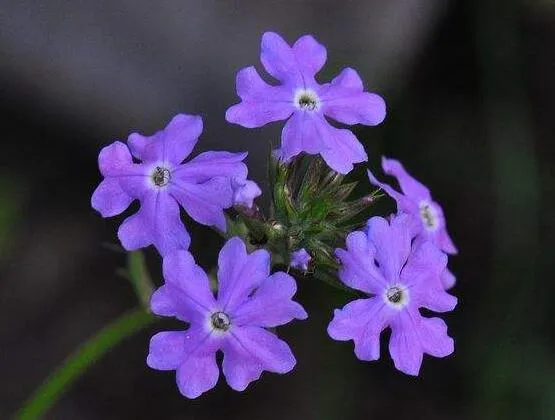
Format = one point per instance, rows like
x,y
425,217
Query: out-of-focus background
x,y
470,89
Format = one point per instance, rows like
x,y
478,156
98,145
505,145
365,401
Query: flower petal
x,y
240,273
348,79
311,56
134,233
358,269
115,160
251,350
392,242
412,335
424,266
345,101
244,192
186,293
205,202
198,374
163,303
191,353
303,132
157,222
137,143
448,279
261,102
279,61
109,199
444,241
272,304
167,349
434,338
342,150
403,203
423,274
404,345
362,321
209,165
409,185
172,144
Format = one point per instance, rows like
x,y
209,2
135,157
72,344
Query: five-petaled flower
x,y
249,301
161,182
305,103
428,220
401,276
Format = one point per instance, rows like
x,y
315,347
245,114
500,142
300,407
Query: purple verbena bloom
x,y
300,259
400,276
162,183
249,301
415,199
244,192
305,103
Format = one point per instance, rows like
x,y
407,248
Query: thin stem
x,y
77,363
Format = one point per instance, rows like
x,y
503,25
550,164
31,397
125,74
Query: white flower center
x,y
429,216
220,321
306,100
396,296
160,176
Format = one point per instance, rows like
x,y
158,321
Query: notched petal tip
x,y
249,83
133,235
379,109
161,302
231,114
446,243
270,36
236,244
166,349
252,350
299,312
114,159
109,199
187,122
311,55
197,375
448,279
349,78
334,330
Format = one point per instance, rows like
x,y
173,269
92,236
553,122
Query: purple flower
x,y
300,97
300,259
417,200
249,301
161,182
428,220
401,276
244,192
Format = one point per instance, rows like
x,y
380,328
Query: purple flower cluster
x,y
399,262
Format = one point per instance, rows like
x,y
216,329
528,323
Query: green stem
x,y
76,364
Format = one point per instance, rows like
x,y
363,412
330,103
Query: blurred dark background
x,y
470,88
